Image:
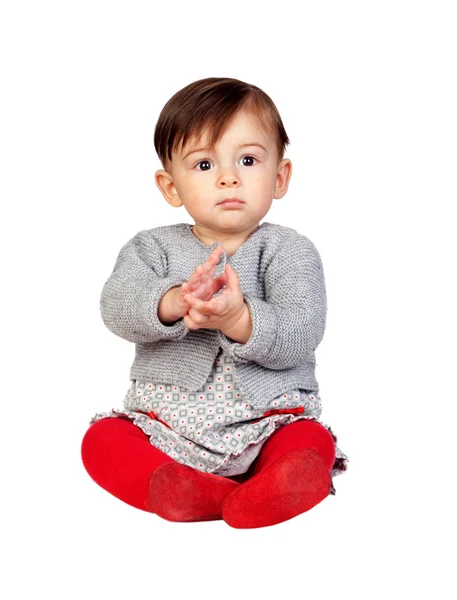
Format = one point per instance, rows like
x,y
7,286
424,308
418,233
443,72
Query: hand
x,y
222,312
201,284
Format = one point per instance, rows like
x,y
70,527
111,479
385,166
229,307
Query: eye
x,y
204,162
250,157
207,162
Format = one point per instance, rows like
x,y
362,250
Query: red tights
x,y
120,458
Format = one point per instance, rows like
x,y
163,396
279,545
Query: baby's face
x,y
243,165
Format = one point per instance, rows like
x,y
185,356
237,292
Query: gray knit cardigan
x,y
282,281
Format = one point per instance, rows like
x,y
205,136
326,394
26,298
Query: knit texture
x,y
282,281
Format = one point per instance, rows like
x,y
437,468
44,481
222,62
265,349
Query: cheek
x,y
262,183
197,190
260,177
202,200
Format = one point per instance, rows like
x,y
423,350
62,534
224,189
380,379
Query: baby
x,y
221,419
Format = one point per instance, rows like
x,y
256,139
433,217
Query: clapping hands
x,y
197,293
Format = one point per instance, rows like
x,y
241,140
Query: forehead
x,y
244,128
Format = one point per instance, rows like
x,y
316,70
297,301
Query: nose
x,y
228,179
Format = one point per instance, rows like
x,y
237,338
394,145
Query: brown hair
x,y
212,104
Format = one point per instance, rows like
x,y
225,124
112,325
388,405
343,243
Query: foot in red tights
x,y
182,493
292,485
290,476
120,458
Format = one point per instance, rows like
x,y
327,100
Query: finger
x,y
190,323
218,283
203,309
218,305
195,278
197,304
185,289
233,281
198,317
213,260
215,254
209,270
202,270
208,280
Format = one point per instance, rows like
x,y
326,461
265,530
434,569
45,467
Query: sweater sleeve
x,y
131,296
289,324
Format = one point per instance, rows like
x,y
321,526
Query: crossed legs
x,y
289,476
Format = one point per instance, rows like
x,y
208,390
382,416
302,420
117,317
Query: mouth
x,y
232,202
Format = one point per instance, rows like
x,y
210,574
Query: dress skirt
x,y
215,429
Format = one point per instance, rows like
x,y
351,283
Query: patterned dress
x,y
214,429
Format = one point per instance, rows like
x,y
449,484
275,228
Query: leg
x,y
290,476
299,434
120,459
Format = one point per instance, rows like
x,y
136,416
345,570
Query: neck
x,y
209,236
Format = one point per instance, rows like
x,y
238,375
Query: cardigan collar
x,y
187,227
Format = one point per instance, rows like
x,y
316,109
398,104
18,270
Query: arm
x,y
130,298
164,309
289,324
241,331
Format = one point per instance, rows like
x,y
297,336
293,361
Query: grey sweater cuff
x,y
129,310
173,332
283,337
264,326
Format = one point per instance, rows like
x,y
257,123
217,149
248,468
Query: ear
x,y
282,178
164,182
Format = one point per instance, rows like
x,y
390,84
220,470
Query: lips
x,y
232,201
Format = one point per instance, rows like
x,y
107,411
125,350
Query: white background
x,y
367,93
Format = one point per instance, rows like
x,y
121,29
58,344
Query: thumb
x,y
232,277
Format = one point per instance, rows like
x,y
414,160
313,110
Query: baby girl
x,y
221,419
